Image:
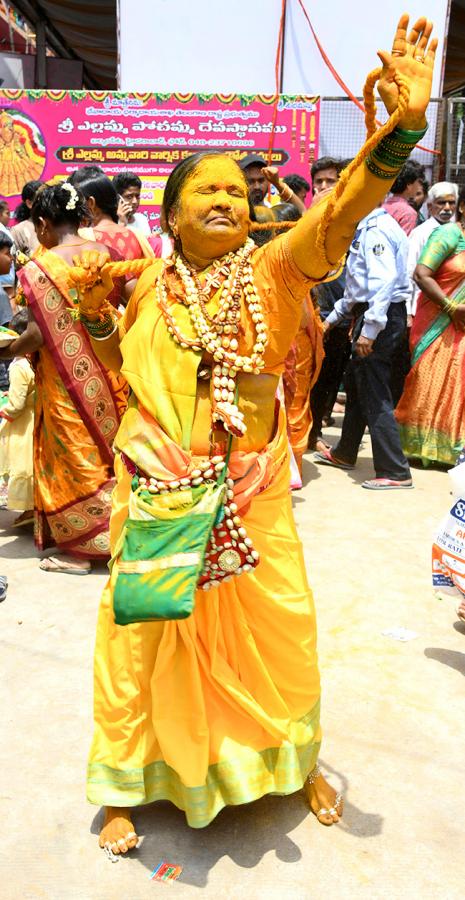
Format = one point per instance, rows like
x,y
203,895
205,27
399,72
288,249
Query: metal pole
x,y
449,113
281,78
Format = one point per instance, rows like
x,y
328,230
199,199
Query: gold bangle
x,y
290,194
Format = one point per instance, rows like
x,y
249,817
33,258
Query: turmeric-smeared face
x,y
212,216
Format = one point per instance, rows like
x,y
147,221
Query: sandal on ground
x,y
26,518
326,458
387,484
64,567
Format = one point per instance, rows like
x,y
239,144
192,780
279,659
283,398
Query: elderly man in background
x,y
442,204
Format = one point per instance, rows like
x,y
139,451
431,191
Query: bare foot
x,y
322,445
118,831
325,803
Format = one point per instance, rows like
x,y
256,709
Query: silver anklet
x,y
313,775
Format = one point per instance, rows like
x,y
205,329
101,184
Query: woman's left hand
x,y
412,57
92,282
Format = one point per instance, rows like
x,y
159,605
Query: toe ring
x,y
121,841
323,812
130,835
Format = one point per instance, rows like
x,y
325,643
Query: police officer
x,y
377,287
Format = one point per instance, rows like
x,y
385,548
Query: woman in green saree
x,y
431,412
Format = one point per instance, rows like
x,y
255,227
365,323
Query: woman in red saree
x,y
431,412
78,403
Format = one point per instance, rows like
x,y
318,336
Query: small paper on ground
x,y
400,634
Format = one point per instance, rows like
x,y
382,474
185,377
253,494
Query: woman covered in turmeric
x,y
223,707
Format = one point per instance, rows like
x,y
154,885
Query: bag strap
x,y
222,478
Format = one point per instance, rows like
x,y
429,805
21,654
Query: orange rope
x,y
374,136
79,276
277,76
267,226
342,83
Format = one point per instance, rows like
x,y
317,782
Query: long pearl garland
x,y
230,550
216,334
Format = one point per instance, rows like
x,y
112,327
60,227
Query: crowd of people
x,y
218,343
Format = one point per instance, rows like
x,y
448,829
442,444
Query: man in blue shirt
x,y
377,287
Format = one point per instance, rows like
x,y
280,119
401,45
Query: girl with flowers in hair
x,y
78,403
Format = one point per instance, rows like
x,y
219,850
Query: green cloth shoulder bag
x,y
161,552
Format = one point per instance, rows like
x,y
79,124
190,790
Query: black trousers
x,y
325,390
369,401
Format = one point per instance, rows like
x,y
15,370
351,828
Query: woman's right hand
x,y
458,317
92,281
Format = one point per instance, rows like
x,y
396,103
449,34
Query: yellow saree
x,y
222,707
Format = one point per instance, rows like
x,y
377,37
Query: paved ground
x,y
393,717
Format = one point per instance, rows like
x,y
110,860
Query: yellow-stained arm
x,y
108,350
411,59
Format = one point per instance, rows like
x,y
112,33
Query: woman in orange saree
x,y
431,411
222,707
78,403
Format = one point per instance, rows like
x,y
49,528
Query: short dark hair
x,y
23,211
286,212
20,321
124,180
180,175
90,171
296,182
326,162
411,171
98,186
51,201
5,240
4,205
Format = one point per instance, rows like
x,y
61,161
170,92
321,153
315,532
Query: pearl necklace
x,y
216,334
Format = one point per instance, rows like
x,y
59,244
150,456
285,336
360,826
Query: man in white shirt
x,y
376,289
442,203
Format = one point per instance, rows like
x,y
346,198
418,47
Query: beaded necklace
x,y
230,550
216,334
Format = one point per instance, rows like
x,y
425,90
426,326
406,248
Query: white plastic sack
x,y
448,557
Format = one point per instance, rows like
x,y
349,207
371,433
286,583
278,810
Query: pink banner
x,y
49,134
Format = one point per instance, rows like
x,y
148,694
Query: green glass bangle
x,y
409,137
380,173
99,328
386,158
